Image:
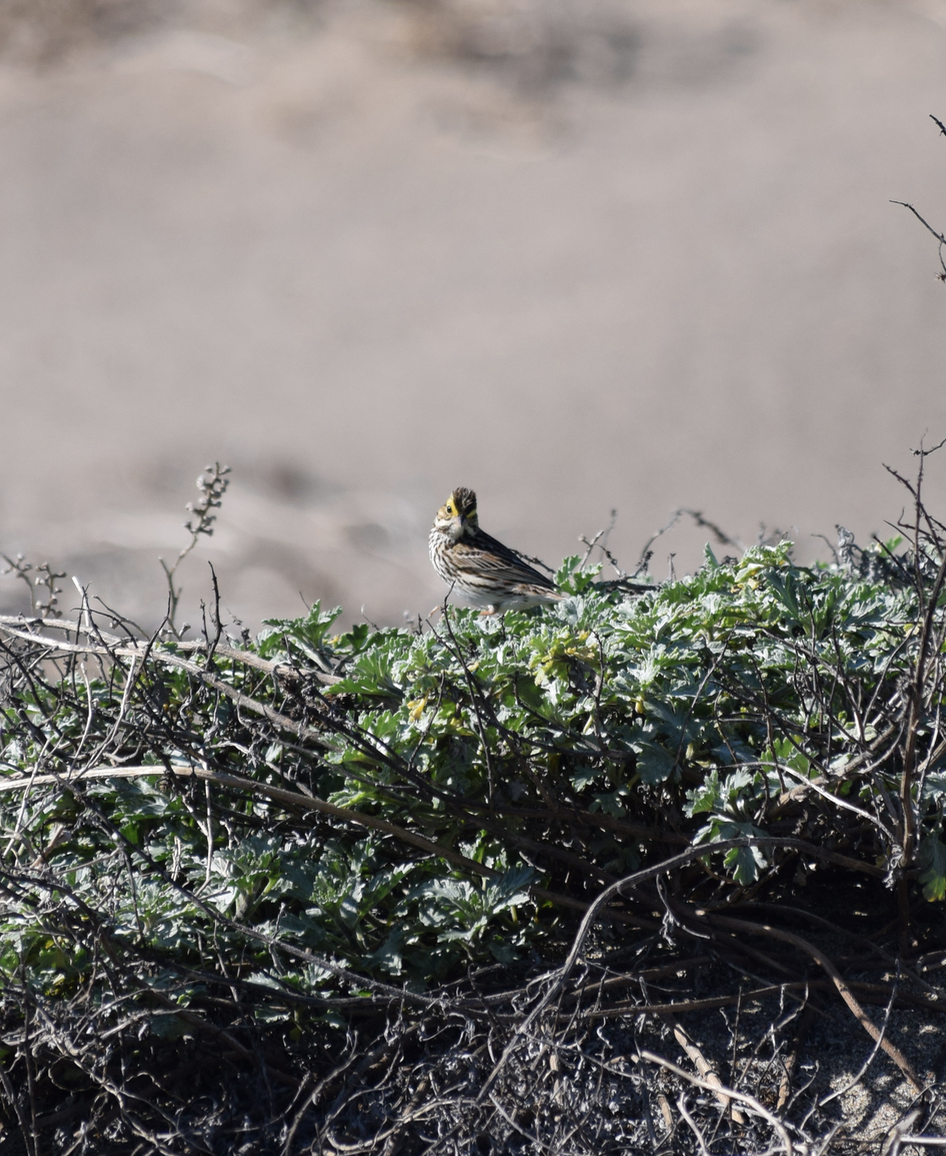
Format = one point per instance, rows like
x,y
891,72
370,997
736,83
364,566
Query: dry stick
x,y
125,648
704,1067
791,1060
896,1135
926,1141
744,1097
312,803
282,669
28,1061
415,1110
664,1105
862,764
277,794
707,1003
844,990
518,1127
878,993
939,236
660,971
681,1105
835,799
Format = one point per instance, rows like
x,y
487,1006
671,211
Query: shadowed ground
x,y
577,256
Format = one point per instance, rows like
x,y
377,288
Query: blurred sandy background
x,y
577,254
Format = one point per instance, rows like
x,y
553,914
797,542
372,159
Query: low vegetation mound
x,y
470,886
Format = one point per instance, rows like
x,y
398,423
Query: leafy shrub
x,y
480,776
326,822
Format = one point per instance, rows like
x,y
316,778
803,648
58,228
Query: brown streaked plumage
x,y
478,568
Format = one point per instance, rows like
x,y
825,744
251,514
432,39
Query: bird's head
x,y
457,516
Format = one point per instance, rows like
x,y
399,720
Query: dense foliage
x,y
319,821
541,752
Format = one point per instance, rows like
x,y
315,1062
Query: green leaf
x,y
931,859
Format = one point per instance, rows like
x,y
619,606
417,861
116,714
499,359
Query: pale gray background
x,y
636,254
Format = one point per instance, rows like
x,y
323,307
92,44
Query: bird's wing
x,y
499,560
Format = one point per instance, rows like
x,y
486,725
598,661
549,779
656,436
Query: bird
x,y
477,567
